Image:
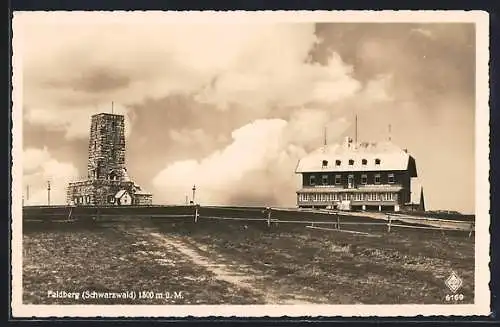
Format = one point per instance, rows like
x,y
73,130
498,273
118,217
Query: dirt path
x,y
225,273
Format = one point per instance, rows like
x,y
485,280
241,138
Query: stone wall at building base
x,y
102,192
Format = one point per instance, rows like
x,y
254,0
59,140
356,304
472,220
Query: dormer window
x,y
325,163
377,161
337,162
351,162
364,162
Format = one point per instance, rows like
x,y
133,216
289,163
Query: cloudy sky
x,y
231,108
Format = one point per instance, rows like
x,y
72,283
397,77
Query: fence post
x,y
195,213
389,224
338,222
471,229
268,217
441,228
70,213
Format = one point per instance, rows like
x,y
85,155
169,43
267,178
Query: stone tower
x,y
106,147
107,180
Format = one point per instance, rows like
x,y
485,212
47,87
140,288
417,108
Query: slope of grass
x,y
402,267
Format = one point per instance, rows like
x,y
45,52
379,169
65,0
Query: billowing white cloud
x,y
87,64
39,168
257,167
254,145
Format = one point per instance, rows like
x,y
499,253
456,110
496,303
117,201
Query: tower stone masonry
x,y
106,146
107,180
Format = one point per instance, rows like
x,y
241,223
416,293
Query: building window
x,y
351,162
338,179
312,180
377,179
325,163
390,179
364,179
337,162
364,162
324,179
350,181
377,161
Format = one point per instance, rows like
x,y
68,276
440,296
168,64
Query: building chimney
x,y
347,142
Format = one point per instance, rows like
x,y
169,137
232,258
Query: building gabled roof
x,y
120,193
381,156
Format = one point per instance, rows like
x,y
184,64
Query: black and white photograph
x,y
250,163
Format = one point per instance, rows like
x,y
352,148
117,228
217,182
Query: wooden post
x,y
471,229
389,224
268,217
70,212
195,213
338,222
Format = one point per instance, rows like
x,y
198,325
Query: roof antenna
x,y
324,139
356,130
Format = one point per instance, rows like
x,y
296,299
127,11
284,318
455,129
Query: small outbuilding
x,y
122,197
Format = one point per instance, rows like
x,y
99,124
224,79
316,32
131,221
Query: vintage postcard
x,y
171,164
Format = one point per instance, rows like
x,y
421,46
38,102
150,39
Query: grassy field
x,y
221,262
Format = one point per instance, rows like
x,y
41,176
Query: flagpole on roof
x,y
355,130
325,142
